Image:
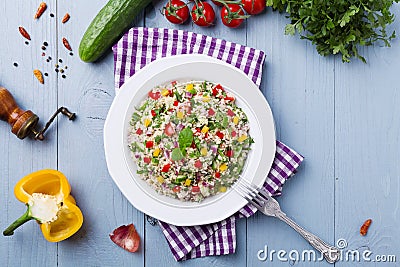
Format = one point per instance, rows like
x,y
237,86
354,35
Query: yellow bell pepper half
x,y
47,196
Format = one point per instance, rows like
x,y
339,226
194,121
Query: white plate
x,y
182,68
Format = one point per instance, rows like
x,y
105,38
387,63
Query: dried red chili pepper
x,y
365,226
65,18
24,33
42,7
38,74
66,44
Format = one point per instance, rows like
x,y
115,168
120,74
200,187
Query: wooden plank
x,y
160,255
299,85
27,247
88,90
367,150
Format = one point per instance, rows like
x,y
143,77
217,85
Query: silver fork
x,y
269,206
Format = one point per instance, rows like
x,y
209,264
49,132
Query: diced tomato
x,y
173,83
233,133
176,189
147,160
217,174
139,131
206,135
214,92
169,130
149,144
153,113
219,87
198,164
211,112
166,167
155,95
198,129
230,113
176,103
229,153
195,189
219,134
171,92
229,98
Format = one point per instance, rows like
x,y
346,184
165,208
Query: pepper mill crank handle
x,y
23,123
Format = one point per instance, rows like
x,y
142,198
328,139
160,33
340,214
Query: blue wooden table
x,y
344,118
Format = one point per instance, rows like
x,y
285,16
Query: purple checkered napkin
x,y
141,46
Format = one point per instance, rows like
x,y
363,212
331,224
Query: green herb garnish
x,y
339,26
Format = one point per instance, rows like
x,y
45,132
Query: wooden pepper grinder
x,y
23,123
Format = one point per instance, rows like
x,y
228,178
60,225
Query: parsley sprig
x,y
339,26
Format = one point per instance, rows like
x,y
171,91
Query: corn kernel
x,y
206,99
189,87
180,114
147,122
223,167
236,120
164,92
188,182
160,179
203,151
222,189
205,129
242,138
156,152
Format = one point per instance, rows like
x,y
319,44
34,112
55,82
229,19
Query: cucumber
x,y
108,26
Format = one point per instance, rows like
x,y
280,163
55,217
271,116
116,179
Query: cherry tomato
x,y
155,95
176,11
169,130
203,14
234,17
217,3
253,7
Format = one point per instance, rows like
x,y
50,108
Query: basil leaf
x,y
176,154
185,138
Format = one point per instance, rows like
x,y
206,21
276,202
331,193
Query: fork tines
x,y
251,193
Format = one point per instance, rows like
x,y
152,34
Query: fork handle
x,y
331,253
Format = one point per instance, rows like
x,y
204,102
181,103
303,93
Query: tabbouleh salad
x,y
189,140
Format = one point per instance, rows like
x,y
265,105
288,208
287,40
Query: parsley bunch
x,y
339,26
